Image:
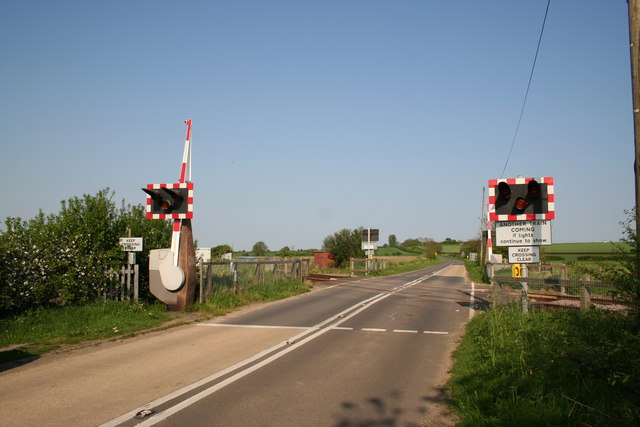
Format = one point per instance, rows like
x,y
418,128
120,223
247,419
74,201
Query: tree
x,y
624,272
431,248
470,246
67,258
220,250
393,241
343,245
285,252
260,248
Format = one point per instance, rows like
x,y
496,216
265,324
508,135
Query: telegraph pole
x,y
634,46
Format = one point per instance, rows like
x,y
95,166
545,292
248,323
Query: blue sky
x,y
313,116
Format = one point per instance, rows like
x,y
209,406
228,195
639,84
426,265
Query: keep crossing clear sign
x,y
131,244
524,254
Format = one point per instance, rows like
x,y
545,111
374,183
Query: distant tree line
x,y
65,258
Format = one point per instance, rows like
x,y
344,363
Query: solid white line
x,y
197,397
129,415
288,345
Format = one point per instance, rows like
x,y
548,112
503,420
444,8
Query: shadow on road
x,y
377,411
10,359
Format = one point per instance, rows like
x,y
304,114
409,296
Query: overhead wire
x,y
526,95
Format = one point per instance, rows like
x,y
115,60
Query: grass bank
x,y
547,368
40,331
226,300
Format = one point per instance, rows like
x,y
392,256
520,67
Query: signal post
x,y
522,210
172,271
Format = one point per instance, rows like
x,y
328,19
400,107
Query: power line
x,y
526,95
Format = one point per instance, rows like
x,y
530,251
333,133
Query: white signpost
x,y
524,254
523,233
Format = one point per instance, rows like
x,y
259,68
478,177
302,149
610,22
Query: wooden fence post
x,y
136,283
525,290
201,281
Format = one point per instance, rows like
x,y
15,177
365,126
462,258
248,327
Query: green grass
x,y
547,368
225,300
43,330
393,251
588,247
451,248
476,272
37,332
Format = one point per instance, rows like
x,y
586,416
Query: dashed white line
x,y
254,326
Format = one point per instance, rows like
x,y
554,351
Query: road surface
x,y
373,351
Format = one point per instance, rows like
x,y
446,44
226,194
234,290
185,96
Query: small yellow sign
x,y
516,270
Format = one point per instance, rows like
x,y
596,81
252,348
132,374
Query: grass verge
x,y
37,332
226,300
547,368
476,272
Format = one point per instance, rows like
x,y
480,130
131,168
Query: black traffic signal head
x,y
169,201
521,199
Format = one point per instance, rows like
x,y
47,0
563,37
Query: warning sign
x,y
523,233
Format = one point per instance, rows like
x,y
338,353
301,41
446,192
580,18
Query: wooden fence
x,y
124,284
366,265
236,275
548,285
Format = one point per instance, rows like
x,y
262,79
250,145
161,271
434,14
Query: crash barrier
x,y
239,274
366,265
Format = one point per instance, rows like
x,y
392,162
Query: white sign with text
x,y
524,254
131,244
523,233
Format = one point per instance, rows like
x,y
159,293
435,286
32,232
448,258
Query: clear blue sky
x,y
313,116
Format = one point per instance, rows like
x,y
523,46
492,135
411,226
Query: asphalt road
x,y
362,352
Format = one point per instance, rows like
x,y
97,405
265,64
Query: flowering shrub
x,y
65,258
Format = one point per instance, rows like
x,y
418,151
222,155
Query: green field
x,y
572,252
592,247
451,248
393,251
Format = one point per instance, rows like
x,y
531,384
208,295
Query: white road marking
x,y
405,331
436,332
254,326
373,330
279,349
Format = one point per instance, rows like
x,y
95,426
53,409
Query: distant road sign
x,y
523,233
131,244
370,234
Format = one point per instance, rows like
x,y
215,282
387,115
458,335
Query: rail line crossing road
x,y
369,350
